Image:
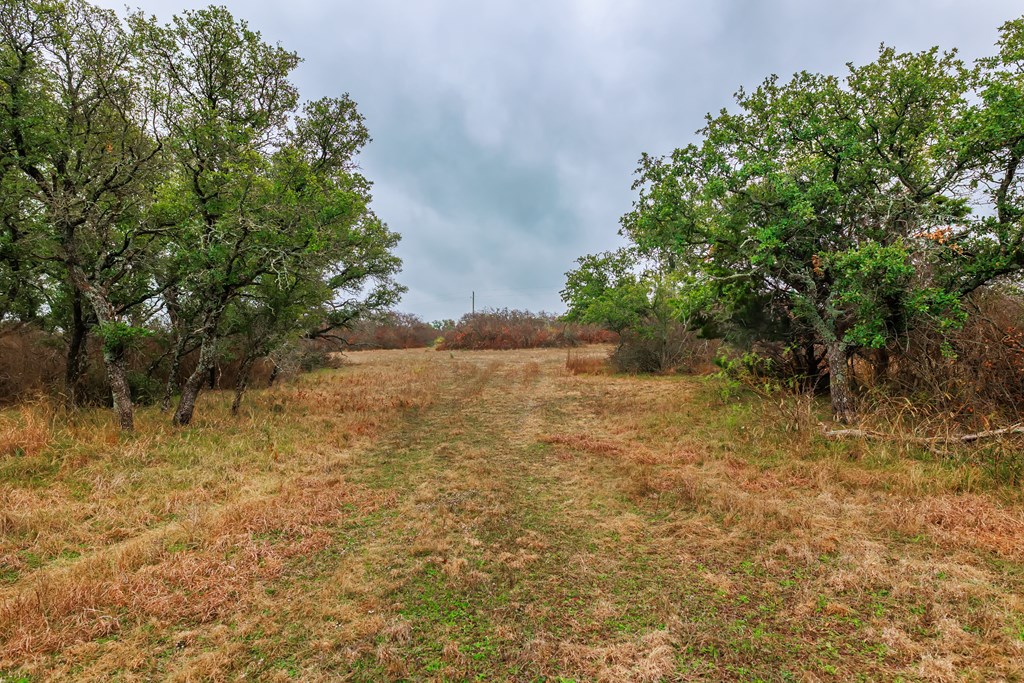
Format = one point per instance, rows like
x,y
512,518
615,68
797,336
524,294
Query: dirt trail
x,y
505,556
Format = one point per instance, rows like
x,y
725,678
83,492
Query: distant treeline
x,y
504,329
495,329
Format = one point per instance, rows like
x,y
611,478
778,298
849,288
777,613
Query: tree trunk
x,y
172,375
113,349
882,362
808,363
244,371
194,383
843,408
117,374
76,352
180,340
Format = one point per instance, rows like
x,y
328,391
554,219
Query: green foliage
x,y
175,163
119,336
608,289
636,296
869,281
746,371
835,212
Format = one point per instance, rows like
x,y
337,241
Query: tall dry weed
x,y
965,379
577,363
27,429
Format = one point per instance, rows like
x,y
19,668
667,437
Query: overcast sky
x,y
506,132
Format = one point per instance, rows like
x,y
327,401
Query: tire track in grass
x,y
485,547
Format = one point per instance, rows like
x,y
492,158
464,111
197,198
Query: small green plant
x,y
119,336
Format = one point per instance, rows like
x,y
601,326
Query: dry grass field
x,y
457,516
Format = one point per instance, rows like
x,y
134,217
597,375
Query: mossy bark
x,y
843,404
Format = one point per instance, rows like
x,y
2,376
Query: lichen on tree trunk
x,y
117,373
113,348
194,383
242,382
76,358
843,406
172,373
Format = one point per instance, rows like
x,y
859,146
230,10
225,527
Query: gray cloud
x,y
506,133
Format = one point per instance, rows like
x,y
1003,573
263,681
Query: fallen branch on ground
x,y
921,440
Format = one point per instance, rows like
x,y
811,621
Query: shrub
x,y
391,331
30,363
973,373
504,329
33,362
674,348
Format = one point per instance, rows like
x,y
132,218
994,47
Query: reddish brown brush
x,y
30,363
970,378
505,329
392,331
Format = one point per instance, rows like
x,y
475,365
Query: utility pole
x,y
473,304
